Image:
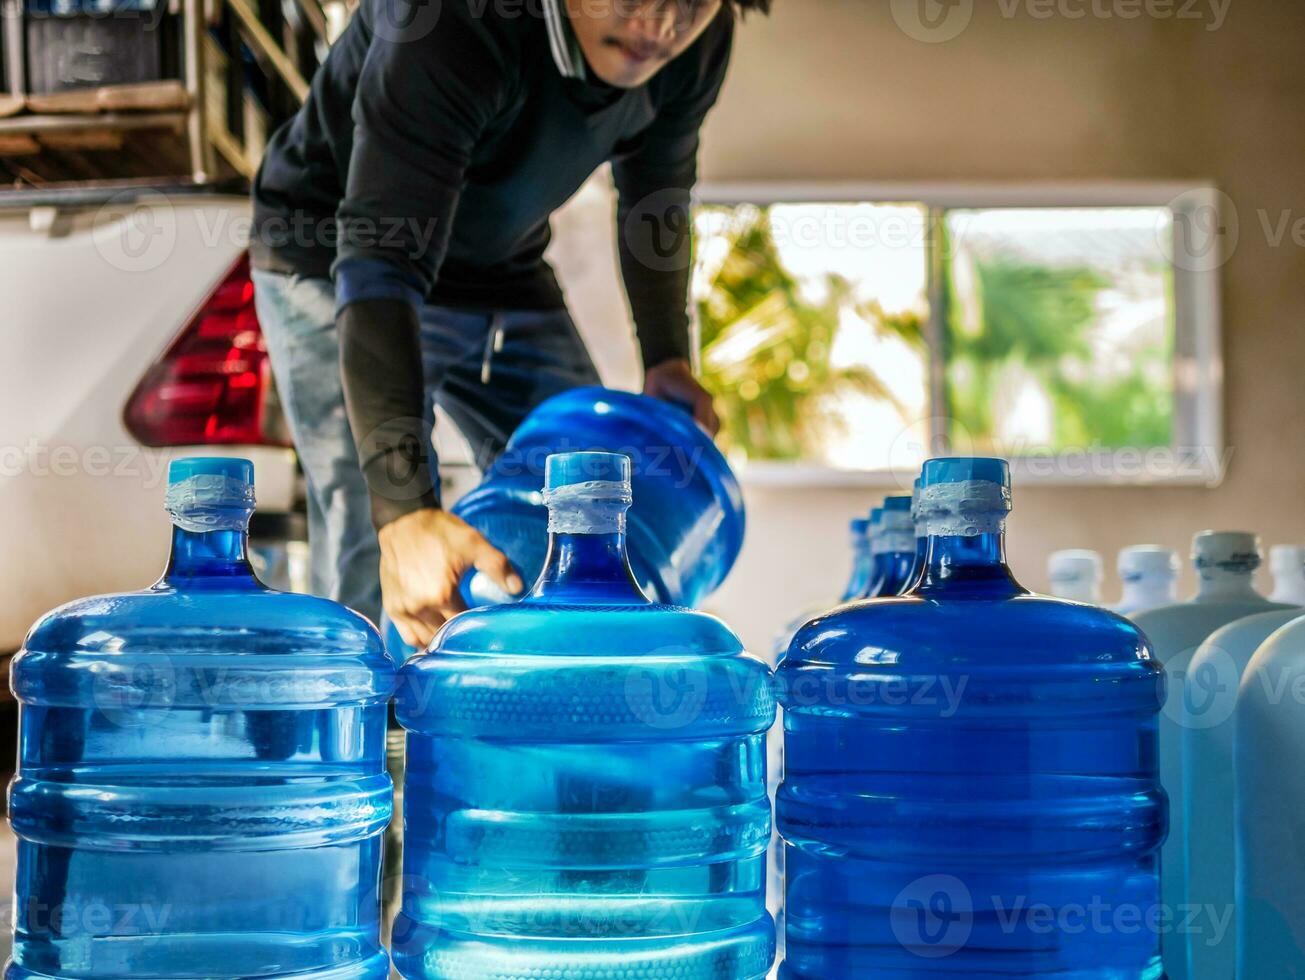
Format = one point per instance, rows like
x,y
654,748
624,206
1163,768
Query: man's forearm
x,y
656,251
384,392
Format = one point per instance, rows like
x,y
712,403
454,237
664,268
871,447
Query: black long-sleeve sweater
x,y
437,140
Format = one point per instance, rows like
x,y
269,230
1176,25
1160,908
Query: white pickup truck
x,y
130,338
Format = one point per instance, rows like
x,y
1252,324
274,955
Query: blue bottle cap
x,y
962,469
897,503
568,469
876,516
859,525
231,467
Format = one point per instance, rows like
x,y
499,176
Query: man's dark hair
x,y
749,5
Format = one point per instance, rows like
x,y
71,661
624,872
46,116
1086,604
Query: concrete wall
x,y
837,90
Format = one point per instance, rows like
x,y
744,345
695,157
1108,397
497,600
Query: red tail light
x,y
211,385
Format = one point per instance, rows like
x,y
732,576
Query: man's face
x,y
627,42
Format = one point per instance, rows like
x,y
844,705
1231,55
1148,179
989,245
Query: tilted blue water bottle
x,y
586,782
971,782
686,527
201,788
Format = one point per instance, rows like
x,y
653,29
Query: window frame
x,y
1197,456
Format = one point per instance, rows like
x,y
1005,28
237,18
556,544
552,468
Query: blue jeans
x,y
486,370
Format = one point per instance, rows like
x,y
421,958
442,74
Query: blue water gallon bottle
x,y
686,527
586,784
971,785
201,786
893,549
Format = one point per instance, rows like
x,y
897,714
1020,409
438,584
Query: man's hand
x,y
673,381
424,555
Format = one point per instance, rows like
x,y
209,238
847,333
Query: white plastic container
x,y
1269,748
1287,563
1225,563
1076,574
1209,699
1149,574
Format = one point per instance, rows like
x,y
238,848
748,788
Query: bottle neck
x,y
584,567
921,559
1292,576
965,553
859,580
967,566
1228,581
218,556
1078,590
1148,591
892,574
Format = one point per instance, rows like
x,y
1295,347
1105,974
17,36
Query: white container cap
x,y
1147,559
1226,546
1287,557
1076,563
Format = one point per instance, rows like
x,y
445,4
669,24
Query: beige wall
x,y
833,89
